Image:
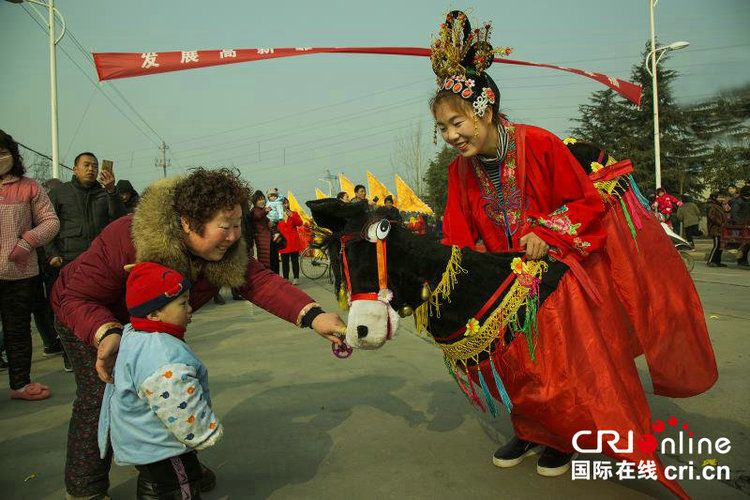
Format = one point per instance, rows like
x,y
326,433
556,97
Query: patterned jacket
x,y
28,220
159,406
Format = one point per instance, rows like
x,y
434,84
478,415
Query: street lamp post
x,y
652,71
53,41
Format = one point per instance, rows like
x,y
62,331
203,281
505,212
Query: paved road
x,y
388,424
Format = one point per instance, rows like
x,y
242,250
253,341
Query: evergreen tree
x,y
436,179
627,131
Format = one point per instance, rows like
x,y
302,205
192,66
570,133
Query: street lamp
x,y
652,71
53,41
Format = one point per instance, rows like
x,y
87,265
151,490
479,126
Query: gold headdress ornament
x,y
461,50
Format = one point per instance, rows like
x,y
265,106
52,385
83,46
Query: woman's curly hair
x,y
204,192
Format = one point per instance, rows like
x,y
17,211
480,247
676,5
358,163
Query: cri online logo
x,y
648,443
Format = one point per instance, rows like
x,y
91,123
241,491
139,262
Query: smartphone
x,y
107,165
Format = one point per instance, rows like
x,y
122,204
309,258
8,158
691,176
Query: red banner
x,y
113,65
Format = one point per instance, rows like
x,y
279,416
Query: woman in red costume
x,y
518,187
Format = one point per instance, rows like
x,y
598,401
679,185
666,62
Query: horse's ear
x,y
333,214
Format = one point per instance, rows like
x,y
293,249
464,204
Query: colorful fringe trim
x,y
442,291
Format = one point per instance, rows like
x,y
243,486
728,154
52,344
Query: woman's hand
x,y
329,326
536,248
106,355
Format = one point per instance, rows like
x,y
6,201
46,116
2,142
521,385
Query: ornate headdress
x,y
460,56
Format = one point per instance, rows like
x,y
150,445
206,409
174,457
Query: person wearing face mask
x,y
515,187
29,222
85,206
193,225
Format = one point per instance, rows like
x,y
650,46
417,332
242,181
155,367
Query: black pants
x,y
274,255
715,254
43,317
285,258
691,231
85,473
16,298
173,478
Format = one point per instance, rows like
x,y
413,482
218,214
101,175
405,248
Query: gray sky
x,y
284,122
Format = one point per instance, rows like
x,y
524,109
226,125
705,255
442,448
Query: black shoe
x,y
218,299
149,490
66,363
514,452
208,482
54,349
554,463
742,263
716,264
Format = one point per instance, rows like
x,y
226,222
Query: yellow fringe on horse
x,y
442,291
469,348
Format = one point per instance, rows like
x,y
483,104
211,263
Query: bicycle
x,y
314,261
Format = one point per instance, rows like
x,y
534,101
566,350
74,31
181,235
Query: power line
x,y
43,155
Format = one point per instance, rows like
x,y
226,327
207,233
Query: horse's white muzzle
x,y
370,324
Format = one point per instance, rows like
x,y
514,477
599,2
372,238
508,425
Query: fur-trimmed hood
x,y
158,237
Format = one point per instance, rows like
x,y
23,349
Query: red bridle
x,y
384,294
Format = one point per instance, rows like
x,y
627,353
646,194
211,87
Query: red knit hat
x,y
152,286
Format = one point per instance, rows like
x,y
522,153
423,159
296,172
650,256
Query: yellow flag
x,y
376,188
408,201
319,194
346,185
296,207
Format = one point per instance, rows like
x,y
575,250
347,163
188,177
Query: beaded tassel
x,y
474,396
501,388
487,396
630,223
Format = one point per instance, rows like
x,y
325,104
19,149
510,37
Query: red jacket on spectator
x,y
288,228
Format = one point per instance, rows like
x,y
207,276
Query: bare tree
x,y
39,169
409,158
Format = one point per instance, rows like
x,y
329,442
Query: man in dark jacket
x,y
84,207
128,195
389,211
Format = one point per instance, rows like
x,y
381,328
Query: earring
x,y
476,126
434,134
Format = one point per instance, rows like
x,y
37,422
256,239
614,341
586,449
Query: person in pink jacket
x,y
29,222
190,224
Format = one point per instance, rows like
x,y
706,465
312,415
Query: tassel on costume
x,y
342,299
632,206
474,395
487,396
458,380
630,223
638,195
501,388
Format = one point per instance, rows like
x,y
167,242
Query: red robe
x,y
583,376
668,320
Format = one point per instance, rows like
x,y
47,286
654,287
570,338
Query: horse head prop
x,y
459,296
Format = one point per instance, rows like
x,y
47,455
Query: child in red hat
x,y
158,411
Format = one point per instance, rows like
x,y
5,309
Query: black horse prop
x,y
473,304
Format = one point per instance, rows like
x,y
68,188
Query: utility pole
x,y
330,178
163,163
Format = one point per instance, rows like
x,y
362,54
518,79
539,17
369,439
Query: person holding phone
x,y
85,205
